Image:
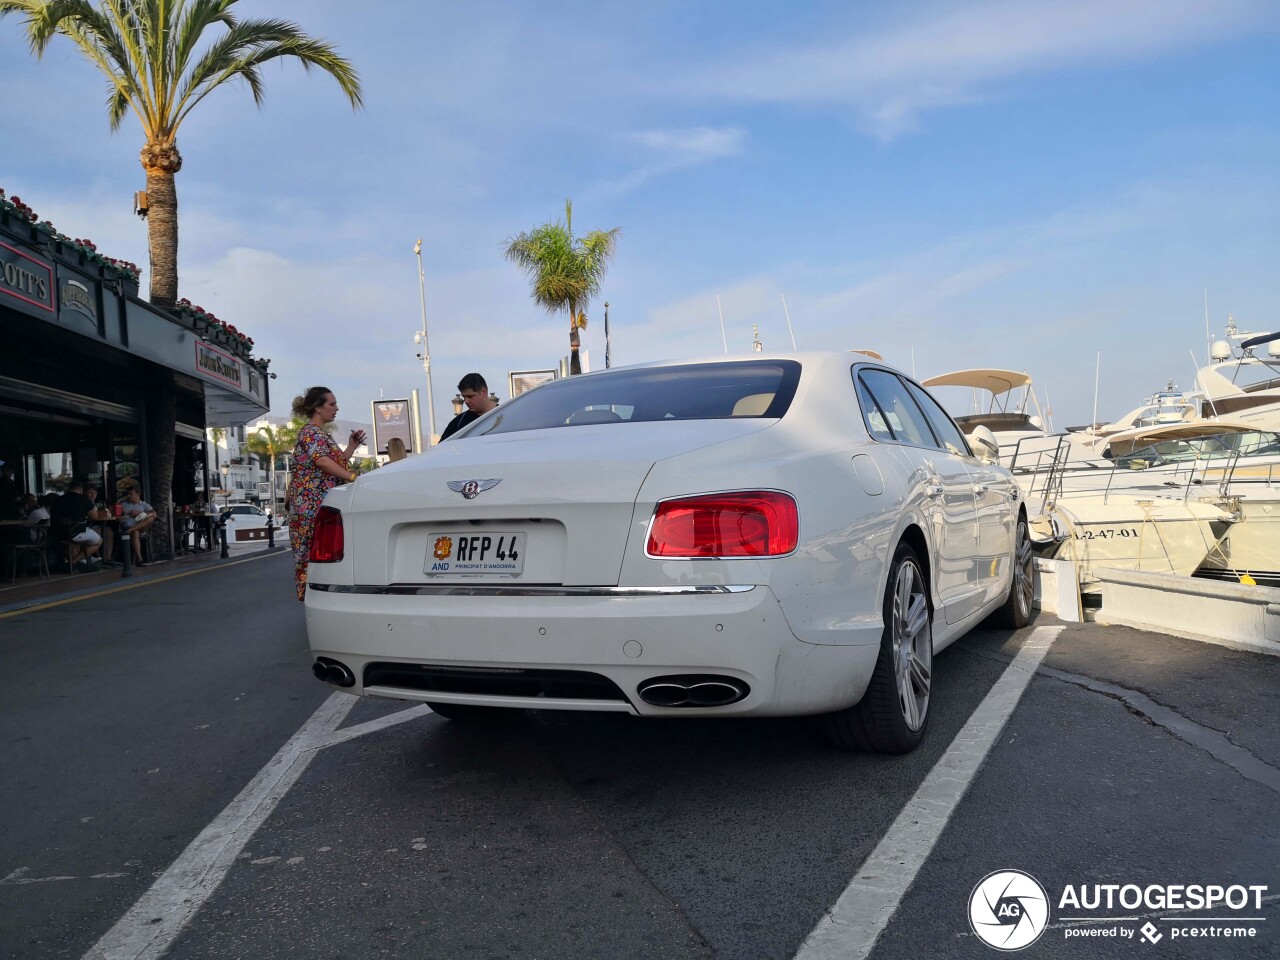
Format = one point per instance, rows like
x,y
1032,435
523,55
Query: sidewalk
x,y
29,590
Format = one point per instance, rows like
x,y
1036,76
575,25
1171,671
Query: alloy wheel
x,y
1023,575
912,645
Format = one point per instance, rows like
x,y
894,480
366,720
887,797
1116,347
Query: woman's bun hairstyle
x,y
306,404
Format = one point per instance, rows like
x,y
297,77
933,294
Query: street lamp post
x,y
421,338
226,491
606,334
458,403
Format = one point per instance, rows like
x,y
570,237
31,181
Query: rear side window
x,y
702,391
871,414
943,427
892,409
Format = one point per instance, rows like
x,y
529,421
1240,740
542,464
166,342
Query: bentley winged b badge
x,y
472,488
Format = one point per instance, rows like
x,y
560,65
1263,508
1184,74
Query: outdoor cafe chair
x,y
37,546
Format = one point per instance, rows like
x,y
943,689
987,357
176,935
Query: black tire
x,y
893,714
470,713
1019,605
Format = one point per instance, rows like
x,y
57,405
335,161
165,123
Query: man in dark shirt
x,y
475,394
71,510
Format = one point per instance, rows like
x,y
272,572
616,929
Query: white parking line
x,y
152,923
851,927
373,726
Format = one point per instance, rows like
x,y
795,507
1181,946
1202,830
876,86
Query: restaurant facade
x,y
92,377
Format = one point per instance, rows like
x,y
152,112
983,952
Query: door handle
x,y
980,488
933,490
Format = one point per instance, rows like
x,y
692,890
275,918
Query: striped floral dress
x,y
306,494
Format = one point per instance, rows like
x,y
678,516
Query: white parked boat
x,y
1003,401
1240,383
1166,406
1127,532
1228,467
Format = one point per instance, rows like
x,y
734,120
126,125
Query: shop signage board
x,y
79,302
78,297
391,419
25,281
214,363
521,381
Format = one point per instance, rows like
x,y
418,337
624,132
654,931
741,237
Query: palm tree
x,y
268,445
218,434
148,51
565,271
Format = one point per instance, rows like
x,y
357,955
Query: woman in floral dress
x,y
318,464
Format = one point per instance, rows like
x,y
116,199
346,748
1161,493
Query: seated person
x,y
40,512
105,530
71,512
35,513
136,515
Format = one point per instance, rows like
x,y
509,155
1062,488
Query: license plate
x,y
495,554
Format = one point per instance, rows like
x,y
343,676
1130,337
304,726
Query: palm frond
x,y
117,106
200,15
251,43
129,35
97,37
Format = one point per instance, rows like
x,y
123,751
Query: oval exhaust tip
x,y
664,694
714,694
692,691
331,671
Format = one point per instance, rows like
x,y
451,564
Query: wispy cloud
x,y
943,56
693,144
665,151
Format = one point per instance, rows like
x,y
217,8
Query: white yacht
x,y
1004,402
1240,381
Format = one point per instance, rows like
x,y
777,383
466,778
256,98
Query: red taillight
x,y
326,541
757,524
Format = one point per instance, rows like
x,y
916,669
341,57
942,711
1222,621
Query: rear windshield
x,y
703,391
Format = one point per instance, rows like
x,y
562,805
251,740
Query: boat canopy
x,y
1190,430
993,381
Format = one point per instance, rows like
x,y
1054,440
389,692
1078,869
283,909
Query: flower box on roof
x,y
84,253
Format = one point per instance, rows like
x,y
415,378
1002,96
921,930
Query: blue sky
x,y
1010,184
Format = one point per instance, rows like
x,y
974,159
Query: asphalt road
x,y
132,720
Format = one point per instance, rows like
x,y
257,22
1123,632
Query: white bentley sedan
x,y
764,536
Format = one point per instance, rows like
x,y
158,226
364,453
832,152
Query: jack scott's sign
x,y
76,296
26,278
217,364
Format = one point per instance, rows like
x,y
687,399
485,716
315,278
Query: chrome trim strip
x,y
494,590
487,700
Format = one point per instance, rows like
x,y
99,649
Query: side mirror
x,y
984,443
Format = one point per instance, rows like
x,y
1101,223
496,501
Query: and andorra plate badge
x,y
495,554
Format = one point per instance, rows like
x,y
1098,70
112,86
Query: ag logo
x,y
1008,910
444,546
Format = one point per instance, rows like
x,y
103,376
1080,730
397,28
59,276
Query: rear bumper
x,y
627,637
